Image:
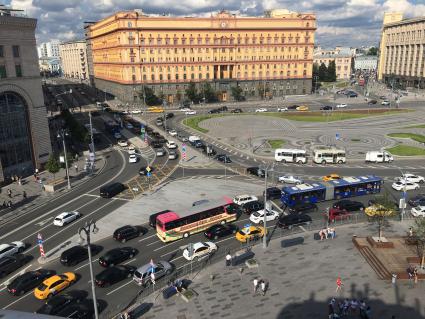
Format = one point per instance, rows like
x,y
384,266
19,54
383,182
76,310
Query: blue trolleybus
x,y
337,189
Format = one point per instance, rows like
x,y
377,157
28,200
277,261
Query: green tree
x,y
150,97
178,96
373,51
419,236
53,165
380,211
237,93
192,93
210,94
323,71
331,74
263,90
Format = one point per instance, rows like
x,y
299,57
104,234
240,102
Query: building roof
x,y
405,21
303,187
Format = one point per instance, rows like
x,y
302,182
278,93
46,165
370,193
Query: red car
x,y
338,214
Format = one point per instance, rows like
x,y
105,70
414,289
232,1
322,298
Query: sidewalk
x,y
302,281
35,195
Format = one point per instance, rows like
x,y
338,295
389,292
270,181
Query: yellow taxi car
x,y
155,109
250,233
54,284
331,177
302,108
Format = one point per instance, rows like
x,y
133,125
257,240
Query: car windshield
x,y
42,287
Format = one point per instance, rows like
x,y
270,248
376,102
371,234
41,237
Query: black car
x,y
213,111
111,190
291,220
372,102
156,144
218,231
303,208
59,302
326,108
223,158
152,218
82,310
236,111
256,171
127,232
348,205
352,94
273,193
293,107
418,200
198,144
77,254
383,97
117,255
251,207
11,263
113,275
28,281
223,109
169,115
144,172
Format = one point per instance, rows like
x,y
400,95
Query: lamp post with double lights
x,y
62,133
90,227
266,170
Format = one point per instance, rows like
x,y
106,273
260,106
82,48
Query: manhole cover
x,y
361,152
267,151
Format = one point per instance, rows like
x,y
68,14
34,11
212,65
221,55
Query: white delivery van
x,y
379,157
194,138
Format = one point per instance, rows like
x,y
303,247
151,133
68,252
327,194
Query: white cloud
x,y
408,8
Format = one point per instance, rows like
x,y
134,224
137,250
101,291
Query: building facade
x,y
24,132
49,49
73,57
342,61
366,63
402,51
131,50
50,65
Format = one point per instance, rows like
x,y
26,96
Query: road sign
x,y
40,244
142,131
184,151
337,137
148,169
148,174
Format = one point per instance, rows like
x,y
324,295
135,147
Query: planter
x,y
188,294
251,263
377,242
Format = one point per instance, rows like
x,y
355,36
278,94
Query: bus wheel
x,y
323,162
340,162
283,161
185,235
300,162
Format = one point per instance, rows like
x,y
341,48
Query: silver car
x,y
143,275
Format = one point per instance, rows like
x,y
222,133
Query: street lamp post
x,y
265,204
403,203
92,143
87,229
62,134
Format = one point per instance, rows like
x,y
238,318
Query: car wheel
x,y
234,231
261,222
289,226
283,161
276,217
185,235
323,162
215,237
340,162
131,256
167,272
421,182
361,208
300,162
21,293
123,240
20,249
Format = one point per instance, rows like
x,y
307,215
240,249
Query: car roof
x,y
3,246
51,280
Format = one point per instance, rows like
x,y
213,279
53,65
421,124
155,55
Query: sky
x,y
352,23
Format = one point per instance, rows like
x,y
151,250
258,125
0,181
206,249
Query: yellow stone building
x,y
130,50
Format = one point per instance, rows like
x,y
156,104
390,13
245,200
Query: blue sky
x,y
340,22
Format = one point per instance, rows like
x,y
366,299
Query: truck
x,y
378,157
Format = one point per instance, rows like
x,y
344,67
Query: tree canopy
x,y
382,209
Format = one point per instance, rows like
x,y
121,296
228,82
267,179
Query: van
x,y
143,275
111,190
193,138
378,157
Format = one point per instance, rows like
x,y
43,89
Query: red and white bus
x,y
172,226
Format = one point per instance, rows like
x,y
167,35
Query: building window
x,y
15,50
3,73
18,70
1,52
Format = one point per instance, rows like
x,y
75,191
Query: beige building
x,y
342,58
402,51
24,132
131,49
73,56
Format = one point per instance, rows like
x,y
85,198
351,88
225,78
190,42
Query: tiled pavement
x,y
302,281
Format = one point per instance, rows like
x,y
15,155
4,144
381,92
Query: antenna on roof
x,y
5,11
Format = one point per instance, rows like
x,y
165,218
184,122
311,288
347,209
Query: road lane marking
x,y
19,299
152,243
126,263
82,266
92,195
118,288
36,232
147,237
6,282
45,221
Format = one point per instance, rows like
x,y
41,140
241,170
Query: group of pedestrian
x,y
326,233
412,273
7,204
347,307
17,179
262,284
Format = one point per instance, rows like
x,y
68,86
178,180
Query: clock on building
x,y
223,24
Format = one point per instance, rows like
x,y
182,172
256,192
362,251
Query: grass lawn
x,y
416,137
276,143
416,126
406,150
194,121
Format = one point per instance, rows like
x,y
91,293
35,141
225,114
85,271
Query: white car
x,y
172,132
261,110
200,250
258,216
385,102
412,178
160,152
117,135
122,143
66,218
418,211
172,155
340,106
186,109
132,158
191,112
171,144
242,199
13,248
282,109
290,179
136,111
402,185
131,150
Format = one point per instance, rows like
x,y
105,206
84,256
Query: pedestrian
x,y
255,285
354,304
24,194
228,259
368,313
35,176
36,171
410,232
76,168
263,287
362,309
339,284
19,180
9,193
4,204
331,310
415,275
9,204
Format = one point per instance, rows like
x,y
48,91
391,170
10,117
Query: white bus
x,y
329,155
288,155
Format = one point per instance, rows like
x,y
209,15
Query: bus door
x,y
335,158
